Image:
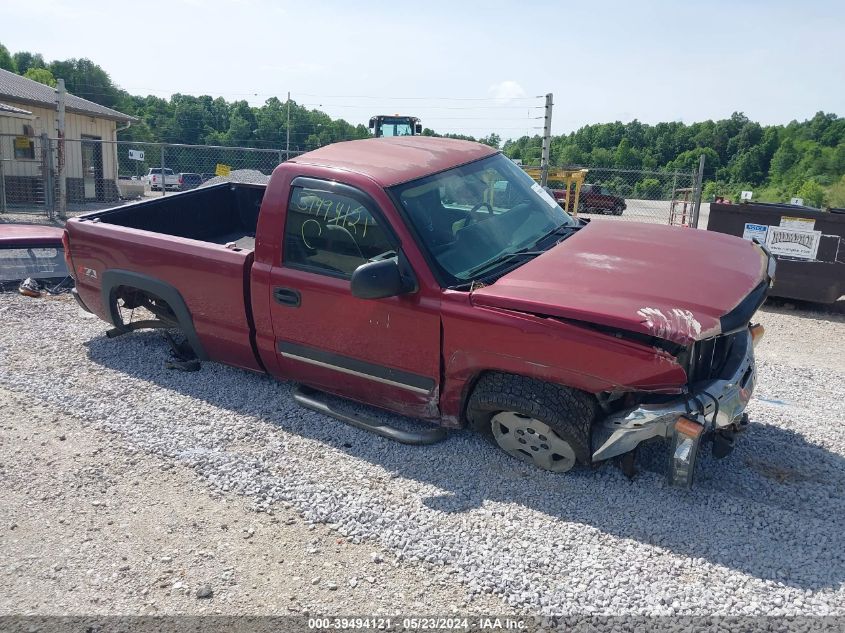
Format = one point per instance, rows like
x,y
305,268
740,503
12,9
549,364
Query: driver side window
x,y
331,233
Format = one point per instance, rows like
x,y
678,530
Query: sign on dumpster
x,y
755,232
804,224
222,170
789,242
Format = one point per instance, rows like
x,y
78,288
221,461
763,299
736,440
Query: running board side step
x,y
310,399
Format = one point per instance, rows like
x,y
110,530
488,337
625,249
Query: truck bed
x,y
197,245
220,214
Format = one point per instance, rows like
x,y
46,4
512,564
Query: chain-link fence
x,y
24,174
40,175
98,174
658,197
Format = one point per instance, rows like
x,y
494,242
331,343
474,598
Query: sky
x,y
462,66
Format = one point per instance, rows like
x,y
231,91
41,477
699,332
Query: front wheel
x,y
543,424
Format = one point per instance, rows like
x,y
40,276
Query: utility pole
x,y
547,142
60,147
3,183
287,131
699,183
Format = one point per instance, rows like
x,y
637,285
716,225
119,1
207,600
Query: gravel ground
x,y
91,524
761,532
649,211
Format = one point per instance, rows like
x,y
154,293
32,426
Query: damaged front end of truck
x,y
721,376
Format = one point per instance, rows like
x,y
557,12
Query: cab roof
x,y
393,160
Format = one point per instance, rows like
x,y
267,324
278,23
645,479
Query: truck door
x,y
384,352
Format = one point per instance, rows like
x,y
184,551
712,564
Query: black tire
x,y
568,412
617,210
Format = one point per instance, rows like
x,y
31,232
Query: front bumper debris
x,y
715,405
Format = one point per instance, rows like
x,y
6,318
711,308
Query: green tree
x,y
601,157
41,75
747,166
838,160
492,139
86,79
784,158
626,157
688,161
836,194
6,60
25,60
647,188
271,122
241,124
813,194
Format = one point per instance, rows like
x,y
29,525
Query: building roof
x,y
5,108
393,160
22,90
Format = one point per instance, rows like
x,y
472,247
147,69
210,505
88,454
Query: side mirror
x,y
380,279
372,123
417,128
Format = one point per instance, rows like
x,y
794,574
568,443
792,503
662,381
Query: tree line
x,y
804,159
777,162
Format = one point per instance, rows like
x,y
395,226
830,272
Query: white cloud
x,y
506,90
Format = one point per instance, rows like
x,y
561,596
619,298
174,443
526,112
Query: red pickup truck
x,y
433,278
591,199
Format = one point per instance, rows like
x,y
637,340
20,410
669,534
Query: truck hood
x,y
673,283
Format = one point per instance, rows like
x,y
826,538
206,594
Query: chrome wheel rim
x,y
532,441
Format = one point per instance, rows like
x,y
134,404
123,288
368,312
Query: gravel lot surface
x,y
650,211
761,533
91,524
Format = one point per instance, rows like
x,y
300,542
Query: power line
x,y
308,94
427,107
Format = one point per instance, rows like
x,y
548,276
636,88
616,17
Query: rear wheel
x,y
540,423
617,210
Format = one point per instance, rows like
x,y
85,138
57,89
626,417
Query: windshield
x,y
396,126
478,214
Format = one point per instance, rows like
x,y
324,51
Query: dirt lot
x,y
127,488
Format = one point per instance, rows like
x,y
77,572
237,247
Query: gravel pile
x,y
761,533
239,175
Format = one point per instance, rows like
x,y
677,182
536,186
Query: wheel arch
x,y
472,383
116,278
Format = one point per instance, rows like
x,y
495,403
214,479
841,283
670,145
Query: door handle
x,y
287,297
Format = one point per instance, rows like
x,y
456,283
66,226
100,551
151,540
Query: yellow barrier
x,y
565,176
